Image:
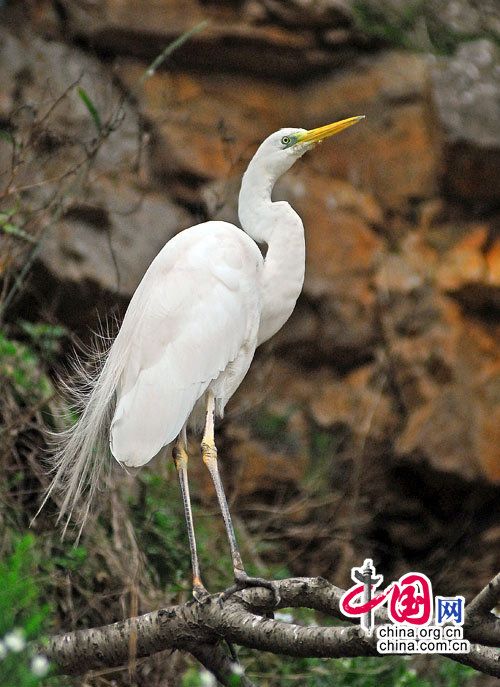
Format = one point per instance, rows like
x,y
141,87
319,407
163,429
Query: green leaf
x,y
41,330
6,136
171,47
7,214
14,230
86,100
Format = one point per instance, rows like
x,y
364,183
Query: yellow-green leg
x,y
180,456
209,453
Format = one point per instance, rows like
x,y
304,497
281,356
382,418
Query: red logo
x,y
409,600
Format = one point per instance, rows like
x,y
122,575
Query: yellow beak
x,y
322,132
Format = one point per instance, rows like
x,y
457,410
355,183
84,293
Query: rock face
x,y
393,156
102,227
467,96
385,381
236,38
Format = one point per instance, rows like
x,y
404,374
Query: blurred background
x,y
370,425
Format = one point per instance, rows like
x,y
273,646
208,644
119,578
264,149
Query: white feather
x,y
193,324
81,452
194,311
195,316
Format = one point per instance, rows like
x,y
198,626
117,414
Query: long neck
x,y
278,225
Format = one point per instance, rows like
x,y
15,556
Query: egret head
x,y
280,150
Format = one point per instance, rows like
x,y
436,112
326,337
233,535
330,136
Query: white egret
x,y
188,337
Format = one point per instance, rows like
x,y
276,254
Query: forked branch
x,y
203,629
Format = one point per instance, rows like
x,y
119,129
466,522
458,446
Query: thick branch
x,y
218,662
193,626
486,600
480,623
482,658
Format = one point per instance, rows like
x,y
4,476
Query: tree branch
x,y
480,623
213,657
200,629
487,598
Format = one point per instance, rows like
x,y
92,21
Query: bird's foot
x,y
244,581
201,595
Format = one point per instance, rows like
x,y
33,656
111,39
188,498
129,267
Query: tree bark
x,y
202,628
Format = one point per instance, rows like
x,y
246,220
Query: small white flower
x,y
3,650
207,679
15,640
39,665
237,669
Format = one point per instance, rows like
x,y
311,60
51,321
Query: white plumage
x,y
193,324
188,338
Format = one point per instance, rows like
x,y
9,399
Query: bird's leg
x,y
180,456
209,453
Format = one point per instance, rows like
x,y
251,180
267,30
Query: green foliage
x,y
387,23
269,426
196,677
172,47
389,671
451,674
324,448
44,338
18,601
323,445
87,101
412,25
273,428
7,136
20,372
68,560
158,518
22,617
9,225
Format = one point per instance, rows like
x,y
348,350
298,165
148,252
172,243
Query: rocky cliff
x,y
371,423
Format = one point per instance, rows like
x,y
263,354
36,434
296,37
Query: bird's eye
x,y
286,140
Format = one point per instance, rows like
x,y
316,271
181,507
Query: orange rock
x,y
358,402
339,242
488,438
232,39
392,153
439,432
209,125
334,256
465,262
304,186
448,377
258,467
493,263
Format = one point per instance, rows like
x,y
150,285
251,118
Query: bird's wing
x,y
189,318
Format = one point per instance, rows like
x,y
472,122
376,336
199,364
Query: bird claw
x,y
244,581
221,599
200,594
